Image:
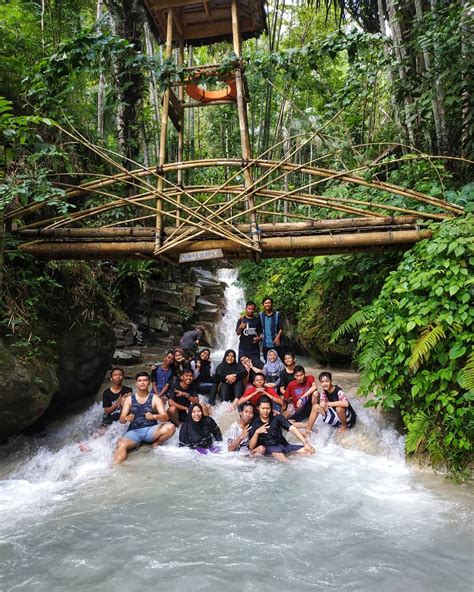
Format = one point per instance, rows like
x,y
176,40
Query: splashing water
x,y
352,517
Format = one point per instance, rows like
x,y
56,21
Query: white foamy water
x,y
352,517
234,305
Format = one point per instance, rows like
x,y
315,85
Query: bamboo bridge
x,y
256,207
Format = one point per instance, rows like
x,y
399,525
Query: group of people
x,y
271,397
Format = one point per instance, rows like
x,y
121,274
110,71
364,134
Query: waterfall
x,y
234,304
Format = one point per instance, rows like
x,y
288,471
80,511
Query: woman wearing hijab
x,y
230,376
199,431
272,369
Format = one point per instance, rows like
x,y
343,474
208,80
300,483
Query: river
x,y
352,517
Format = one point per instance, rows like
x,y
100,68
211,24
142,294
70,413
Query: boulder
x,y
26,390
127,357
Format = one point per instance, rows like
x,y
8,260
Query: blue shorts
x,y
142,435
283,448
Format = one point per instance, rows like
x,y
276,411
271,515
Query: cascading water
x,y
234,305
352,517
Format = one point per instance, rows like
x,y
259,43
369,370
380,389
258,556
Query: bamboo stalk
x,y
288,244
141,231
163,131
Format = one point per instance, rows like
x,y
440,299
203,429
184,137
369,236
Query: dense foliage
x,y
387,83
416,340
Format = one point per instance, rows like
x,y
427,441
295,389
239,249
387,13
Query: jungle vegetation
x,y
390,81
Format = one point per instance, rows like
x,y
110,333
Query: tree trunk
x,y
438,92
466,61
154,98
101,89
128,18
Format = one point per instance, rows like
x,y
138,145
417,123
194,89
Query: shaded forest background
x,y
392,78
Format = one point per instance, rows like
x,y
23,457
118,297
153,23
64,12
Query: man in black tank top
x,y
143,409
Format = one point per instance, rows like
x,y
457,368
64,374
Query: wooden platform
x,y
205,22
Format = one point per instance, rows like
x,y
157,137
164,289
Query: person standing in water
x,y
266,431
114,397
143,409
272,328
249,329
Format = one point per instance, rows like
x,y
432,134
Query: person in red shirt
x,y
258,389
302,394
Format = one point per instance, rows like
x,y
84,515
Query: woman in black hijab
x,y
230,376
198,431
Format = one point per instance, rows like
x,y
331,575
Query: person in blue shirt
x,y
272,329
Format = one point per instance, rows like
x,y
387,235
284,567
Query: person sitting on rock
x,y
250,368
266,431
302,395
230,376
144,410
162,375
334,406
272,369
204,374
114,397
288,373
180,362
199,431
182,393
259,389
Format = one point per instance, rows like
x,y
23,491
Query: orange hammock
x,y
202,95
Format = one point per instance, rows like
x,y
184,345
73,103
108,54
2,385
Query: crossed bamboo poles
x,y
224,227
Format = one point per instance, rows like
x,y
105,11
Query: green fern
x,y
372,348
424,346
466,375
418,429
360,317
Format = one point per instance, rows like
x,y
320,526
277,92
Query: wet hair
x,y
267,298
117,369
140,374
258,374
250,303
246,404
265,399
325,375
299,369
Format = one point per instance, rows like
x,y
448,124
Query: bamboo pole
x,y
266,227
180,61
163,132
243,121
109,250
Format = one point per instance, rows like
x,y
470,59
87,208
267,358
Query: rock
x,y
85,354
26,390
206,306
127,357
